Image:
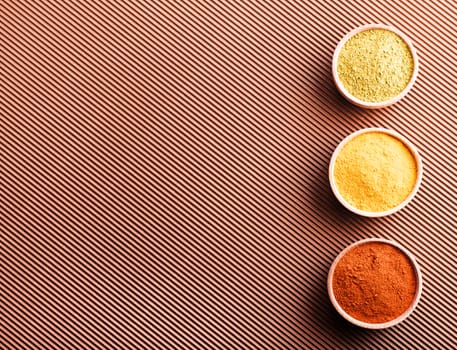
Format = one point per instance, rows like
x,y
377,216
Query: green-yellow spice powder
x,y
375,65
375,172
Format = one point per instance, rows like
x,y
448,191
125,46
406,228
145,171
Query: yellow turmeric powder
x,y
375,172
375,65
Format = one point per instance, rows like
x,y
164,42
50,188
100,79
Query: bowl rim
x,y
399,137
404,315
365,104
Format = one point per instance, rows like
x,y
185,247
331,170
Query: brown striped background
x,y
163,173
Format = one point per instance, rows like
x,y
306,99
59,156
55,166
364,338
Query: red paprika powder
x,y
374,282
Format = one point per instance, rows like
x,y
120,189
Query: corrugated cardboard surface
x,y
163,173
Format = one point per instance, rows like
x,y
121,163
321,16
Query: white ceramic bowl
x,y
368,213
393,322
355,100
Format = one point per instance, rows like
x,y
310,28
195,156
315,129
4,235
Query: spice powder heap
x,y
375,172
374,282
375,65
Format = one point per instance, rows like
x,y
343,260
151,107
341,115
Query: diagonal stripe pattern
x,y
163,173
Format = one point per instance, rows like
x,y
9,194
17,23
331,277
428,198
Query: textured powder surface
x,y
375,172
375,65
374,282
